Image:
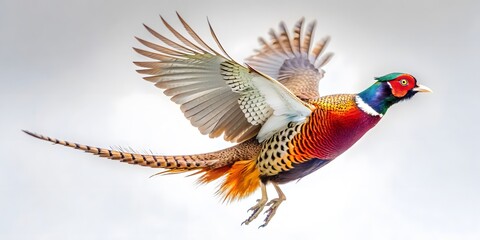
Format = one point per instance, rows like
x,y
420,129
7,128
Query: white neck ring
x,y
366,108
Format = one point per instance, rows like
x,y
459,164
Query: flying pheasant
x,y
271,107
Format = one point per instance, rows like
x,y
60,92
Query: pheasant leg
x,y
274,203
257,208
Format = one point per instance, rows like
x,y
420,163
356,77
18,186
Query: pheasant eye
x,y
403,82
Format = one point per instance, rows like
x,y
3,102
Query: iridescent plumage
x,y
271,108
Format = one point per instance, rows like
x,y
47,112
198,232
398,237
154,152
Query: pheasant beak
x,y
421,88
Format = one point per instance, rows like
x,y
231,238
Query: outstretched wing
x,y
291,61
218,95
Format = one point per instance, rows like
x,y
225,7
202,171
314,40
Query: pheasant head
x,y
388,90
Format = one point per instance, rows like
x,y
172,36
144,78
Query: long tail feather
x,y
236,164
187,162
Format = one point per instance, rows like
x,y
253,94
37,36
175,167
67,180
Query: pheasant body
x,y
333,127
272,108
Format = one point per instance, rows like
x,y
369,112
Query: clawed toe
x,y
257,209
274,203
261,203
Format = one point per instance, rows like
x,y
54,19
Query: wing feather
x,y
307,40
218,95
181,37
160,48
195,36
170,42
291,61
285,40
297,35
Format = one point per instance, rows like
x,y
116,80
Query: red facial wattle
x,y
402,84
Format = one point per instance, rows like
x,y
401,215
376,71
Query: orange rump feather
x,y
241,179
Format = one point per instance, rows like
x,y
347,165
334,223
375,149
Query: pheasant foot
x,y
274,203
257,208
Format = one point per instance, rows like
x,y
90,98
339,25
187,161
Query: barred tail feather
x,y
187,162
241,177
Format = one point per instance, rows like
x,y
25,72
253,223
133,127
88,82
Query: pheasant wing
x,y
291,61
218,95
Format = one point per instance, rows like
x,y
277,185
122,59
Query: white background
x,y
66,71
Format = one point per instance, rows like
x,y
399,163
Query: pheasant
x,y
270,107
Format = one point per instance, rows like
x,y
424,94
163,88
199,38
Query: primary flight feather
x,y
270,106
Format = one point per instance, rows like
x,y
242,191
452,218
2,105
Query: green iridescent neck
x,y
379,97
